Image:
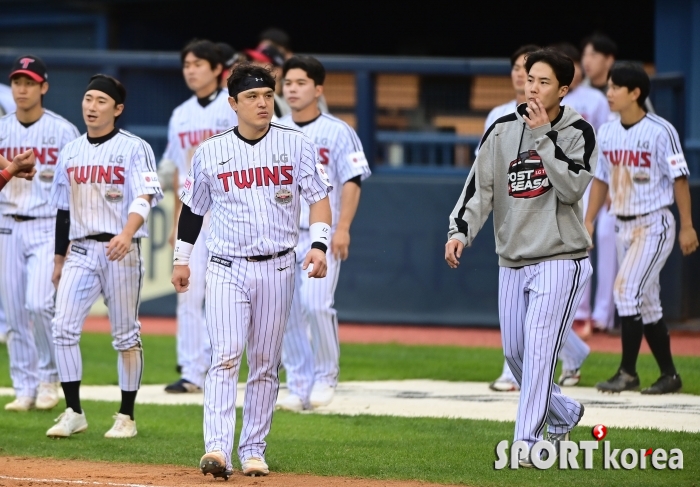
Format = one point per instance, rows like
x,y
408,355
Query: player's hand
x,y
317,258
688,240
590,226
58,262
24,165
340,244
181,278
537,115
119,246
453,251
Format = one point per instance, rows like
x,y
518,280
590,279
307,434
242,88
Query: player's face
x,y
100,110
198,73
299,90
542,83
595,64
254,107
620,97
27,92
518,75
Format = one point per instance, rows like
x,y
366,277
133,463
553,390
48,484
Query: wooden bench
x,y
490,91
463,125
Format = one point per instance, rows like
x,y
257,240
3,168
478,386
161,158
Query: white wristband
x,y
320,232
183,250
141,207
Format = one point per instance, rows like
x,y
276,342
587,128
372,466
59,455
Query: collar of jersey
x,y
627,127
248,141
205,101
102,139
304,124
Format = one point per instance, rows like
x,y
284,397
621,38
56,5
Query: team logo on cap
x,y
527,177
26,61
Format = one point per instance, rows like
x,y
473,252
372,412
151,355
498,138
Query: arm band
x,y
320,234
141,207
62,232
357,180
189,225
183,250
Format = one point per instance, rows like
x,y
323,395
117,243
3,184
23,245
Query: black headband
x,y
252,82
106,86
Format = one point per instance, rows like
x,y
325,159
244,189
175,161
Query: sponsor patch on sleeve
x,y
150,179
677,161
323,174
357,159
189,183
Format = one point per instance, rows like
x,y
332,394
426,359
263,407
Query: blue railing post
x,y
365,111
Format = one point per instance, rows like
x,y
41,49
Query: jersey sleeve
x,y
143,178
59,196
670,154
313,178
602,170
351,161
196,191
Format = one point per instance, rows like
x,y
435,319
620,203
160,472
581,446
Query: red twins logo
x,y
26,61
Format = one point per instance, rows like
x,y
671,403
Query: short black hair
x,y
561,64
276,36
526,49
601,43
203,49
569,50
313,67
244,70
117,84
631,76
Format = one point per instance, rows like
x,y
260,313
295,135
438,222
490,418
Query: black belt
x,y
630,218
20,218
106,237
260,258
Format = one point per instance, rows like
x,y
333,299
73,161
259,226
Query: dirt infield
x,y
682,343
19,471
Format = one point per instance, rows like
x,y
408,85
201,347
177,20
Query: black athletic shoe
x,y
666,384
621,381
178,369
182,387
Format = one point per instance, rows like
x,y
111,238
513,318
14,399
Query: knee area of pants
x,y
128,347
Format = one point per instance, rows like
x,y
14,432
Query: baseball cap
x,y
229,55
267,54
31,66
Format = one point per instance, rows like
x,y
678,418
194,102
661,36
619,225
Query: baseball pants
x,y
193,348
27,296
643,245
606,269
3,321
310,350
87,273
536,310
247,306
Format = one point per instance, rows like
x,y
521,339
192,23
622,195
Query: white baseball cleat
x,y
570,378
290,403
254,466
21,403
124,427
503,384
47,397
68,423
321,395
214,463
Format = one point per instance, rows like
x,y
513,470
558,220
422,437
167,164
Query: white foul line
x,y
79,482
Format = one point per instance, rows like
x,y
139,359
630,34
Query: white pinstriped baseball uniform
x,y
27,249
190,124
640,164
316,361
97,180
253,190
7,102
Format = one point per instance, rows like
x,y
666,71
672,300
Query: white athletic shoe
x,y
3,338
321,395
68,423
255,466
124,427
570,378
504,385
47,398
21,403
290,403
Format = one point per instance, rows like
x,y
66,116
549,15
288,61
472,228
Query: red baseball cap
x,y
31,66
267,54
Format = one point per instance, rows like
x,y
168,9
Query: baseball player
x,y
104,188
266,54
252,179
312,366
599,53
229,58
7,102
541,243
26,237
642,164
204,114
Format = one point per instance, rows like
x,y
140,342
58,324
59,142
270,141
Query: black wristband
x,y
320,246
189,225
62,232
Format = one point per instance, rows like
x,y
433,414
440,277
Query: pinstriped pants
x,y
247,306
27,295
536,309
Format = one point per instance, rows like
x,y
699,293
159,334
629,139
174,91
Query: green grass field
x,y
437,450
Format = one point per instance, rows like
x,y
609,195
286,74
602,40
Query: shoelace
x,y
120,423
63,415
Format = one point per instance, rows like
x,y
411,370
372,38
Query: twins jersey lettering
x,y
339,152
191,124
47,136
590,103
254,191
640,164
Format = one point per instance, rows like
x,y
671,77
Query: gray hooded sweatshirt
x,y
533,180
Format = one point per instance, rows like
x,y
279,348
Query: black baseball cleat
x,y
621,381
666,384
182,386
215,463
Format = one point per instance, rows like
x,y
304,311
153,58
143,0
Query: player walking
x,y
104,188
204,114
312,366
540,240
27,235
252,178
642,164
